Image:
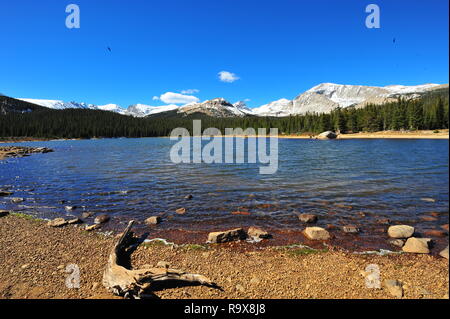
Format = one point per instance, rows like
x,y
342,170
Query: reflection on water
x,y
134,178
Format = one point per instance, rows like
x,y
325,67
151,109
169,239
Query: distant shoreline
x,y
423,134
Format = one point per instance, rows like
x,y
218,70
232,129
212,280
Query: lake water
x,y
342,181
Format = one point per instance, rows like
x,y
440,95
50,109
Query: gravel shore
x,y
34,257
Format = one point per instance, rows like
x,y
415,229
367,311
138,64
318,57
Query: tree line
x,y
430,112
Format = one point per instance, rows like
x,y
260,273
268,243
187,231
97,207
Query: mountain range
x,y
322,98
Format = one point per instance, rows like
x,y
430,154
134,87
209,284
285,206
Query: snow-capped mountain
x,y
281,107
141,110
218,107
325,97
322,98
60,105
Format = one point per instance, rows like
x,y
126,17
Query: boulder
x,y
101,219
4,213
316,233
394,287
308,218
257,232
350,229
417,245
444,253
153,220
226,236
57,222
400,231
327,135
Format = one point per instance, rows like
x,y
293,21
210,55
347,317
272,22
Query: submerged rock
x,y
86,214
316,233
307,218
257,232
400,231
181,211
350,229
397,242
5,193
226,236
101,219
417,245
153,220
17,200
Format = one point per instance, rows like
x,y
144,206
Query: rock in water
x,y
417,245
153,220
101,219
400,231
257,233
57,222
350,229
394,287
5,193
70,208
17,200
180,211
226,236
444,253
316,233
307,218
397,242
328,135
86,214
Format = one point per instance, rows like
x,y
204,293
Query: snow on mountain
x,y
281,107
325,97
218,107
60,105
141,110
113,108
322,98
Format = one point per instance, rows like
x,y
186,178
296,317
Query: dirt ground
x,y
34,257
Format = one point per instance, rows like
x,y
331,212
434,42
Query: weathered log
x,y
135,284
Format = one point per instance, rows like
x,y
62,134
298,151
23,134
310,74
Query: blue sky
x,y
278,49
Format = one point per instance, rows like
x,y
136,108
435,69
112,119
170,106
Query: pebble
x,y
397,242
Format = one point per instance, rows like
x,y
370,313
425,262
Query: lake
x,y
343,182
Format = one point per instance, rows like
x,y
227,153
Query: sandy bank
x,y
33,258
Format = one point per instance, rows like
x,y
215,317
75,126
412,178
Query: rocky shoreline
x,y
39,254
21,151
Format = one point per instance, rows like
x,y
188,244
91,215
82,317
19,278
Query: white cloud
x,y
177,98
190,91
228,77
155,98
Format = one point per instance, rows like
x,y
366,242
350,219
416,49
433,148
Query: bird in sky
x,y
109,49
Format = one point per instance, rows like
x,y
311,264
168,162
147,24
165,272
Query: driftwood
x,y
121,280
